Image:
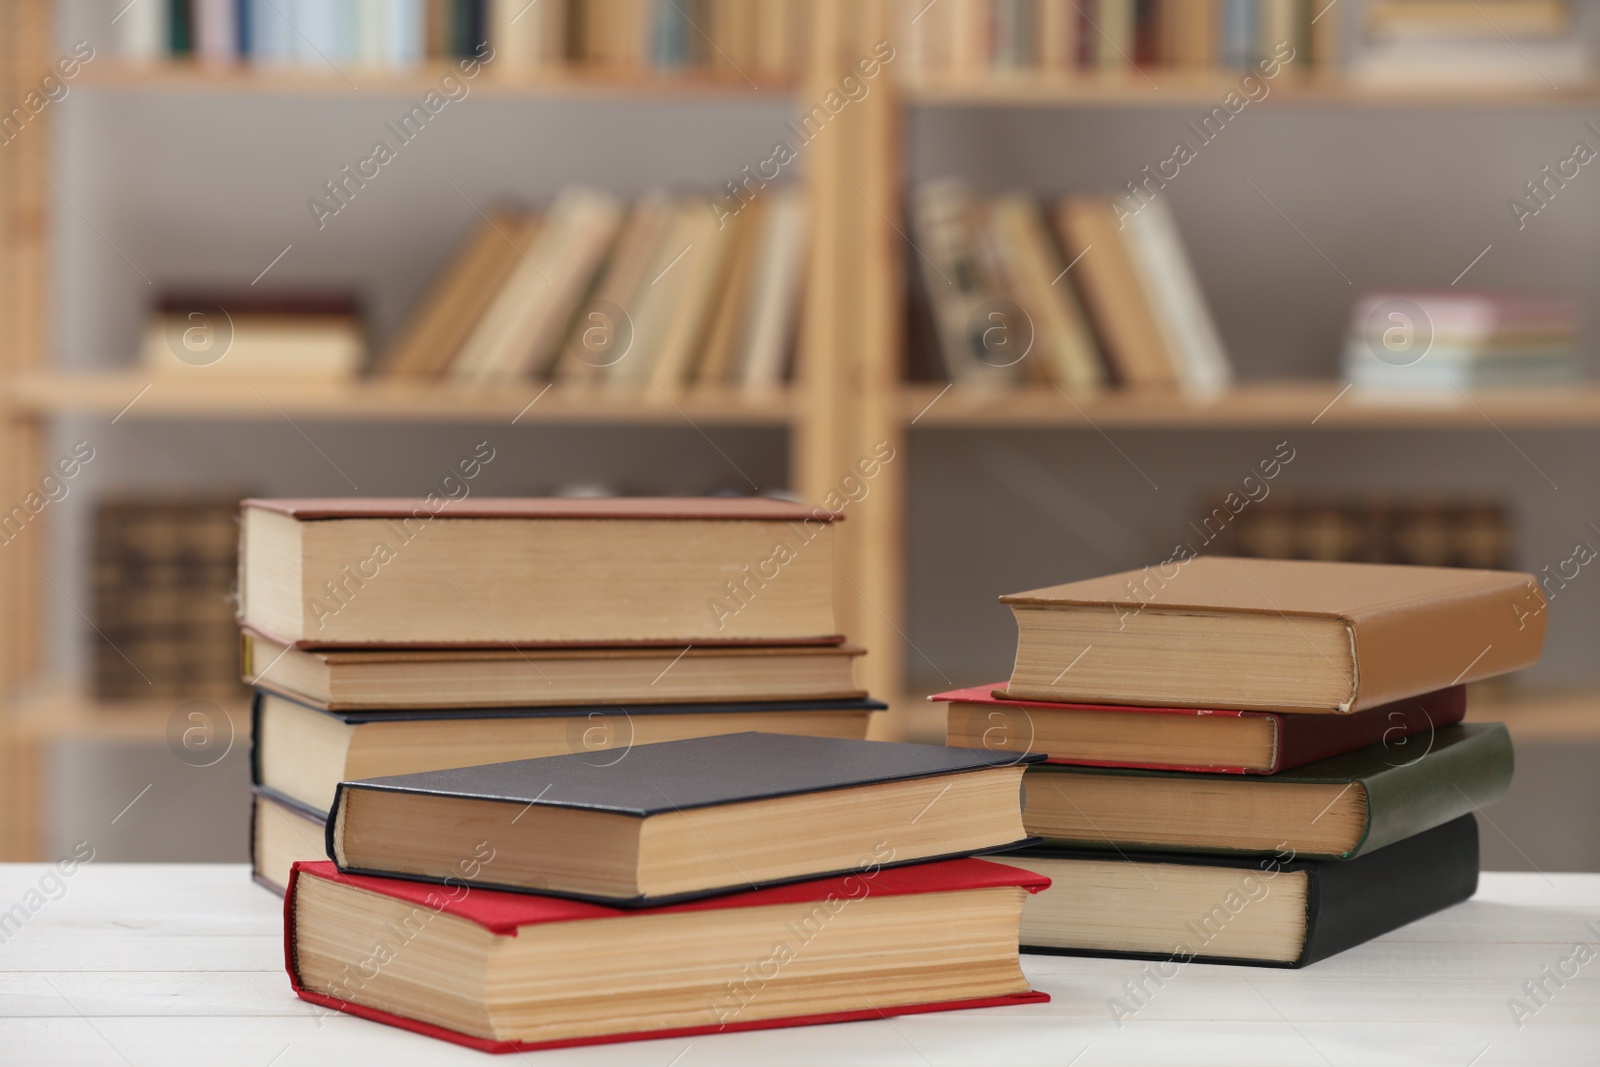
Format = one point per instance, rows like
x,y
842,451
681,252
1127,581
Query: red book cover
x,y
1300,739
502,913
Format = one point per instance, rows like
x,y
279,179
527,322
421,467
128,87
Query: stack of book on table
x,y
1253,761
737,882
392,636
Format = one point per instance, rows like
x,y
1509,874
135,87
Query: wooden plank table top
x,y
149,965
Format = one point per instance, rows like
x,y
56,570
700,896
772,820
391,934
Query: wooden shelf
x,y
492,81
61,710
1173,88
1253,405
125,396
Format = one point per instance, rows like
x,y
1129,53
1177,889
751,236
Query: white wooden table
x,y
159,965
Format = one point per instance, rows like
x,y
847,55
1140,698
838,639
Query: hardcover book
x,y
282,833
1226,741
1272,635
1281,911
432,572
409,678
684,818
505,972
304,752
1335,808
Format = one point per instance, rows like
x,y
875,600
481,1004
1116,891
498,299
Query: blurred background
x,y
250,248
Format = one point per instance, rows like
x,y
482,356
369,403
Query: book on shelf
x,y
1281,910
970,40
1336,808
1425,529
1272,635
932,937
420,678
1189,739
252,336
164,566
433,572
1470,43
684,819
721,37
1450,341
645,299
302,752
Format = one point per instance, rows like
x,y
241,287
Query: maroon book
x,y
1192,739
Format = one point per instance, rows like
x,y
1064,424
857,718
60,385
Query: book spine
x,y
1350,903
1418,793
1404,727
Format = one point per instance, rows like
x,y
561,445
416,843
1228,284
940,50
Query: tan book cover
x,y
1121,310
1281,635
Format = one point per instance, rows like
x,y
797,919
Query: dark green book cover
x,y
1464,768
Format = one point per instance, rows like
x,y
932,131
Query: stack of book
x,y
725,883
594,292
1478,43
1253,761
396,636
1461,340
978,38
1105,296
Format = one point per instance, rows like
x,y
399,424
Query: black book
x,y
682,819
1273,911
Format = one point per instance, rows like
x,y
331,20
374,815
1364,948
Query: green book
x,y
180,28
1336,808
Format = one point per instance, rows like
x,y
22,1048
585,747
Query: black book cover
x,y
1348,902
700,772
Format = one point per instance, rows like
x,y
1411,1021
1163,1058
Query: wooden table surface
x,y
144,965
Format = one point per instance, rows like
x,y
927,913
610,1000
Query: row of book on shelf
x,y
740,38
1387,41
1240,761
1088,294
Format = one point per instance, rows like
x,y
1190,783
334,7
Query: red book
x,y
1190,739
508,972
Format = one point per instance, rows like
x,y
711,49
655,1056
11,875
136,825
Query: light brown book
x,y
1121,311
704,268
722,340
303,753
282,833
430,571
1272,635
447,314
601,338
1061,343
401,679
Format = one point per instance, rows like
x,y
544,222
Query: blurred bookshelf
x,y
849,387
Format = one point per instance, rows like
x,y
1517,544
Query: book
x,y
309,336
1168,279
683,818
933,937
412,679
1284,912
1272,635
959,276
447,313
303,752
1117,303
1190,739
601,338
374,571
282,833
774,298
1335,808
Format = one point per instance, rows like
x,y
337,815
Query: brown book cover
x,y
1409,630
